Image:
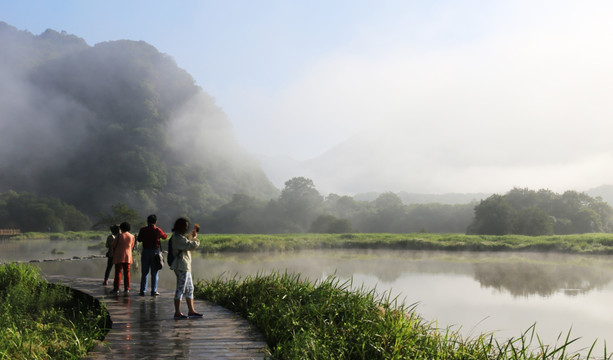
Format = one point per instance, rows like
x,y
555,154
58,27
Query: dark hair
x,y
124,226
152,219
180,222
114,229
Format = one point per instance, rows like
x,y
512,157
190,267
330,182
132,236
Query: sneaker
x,y
105,282
114,292
195,315
180,317
155,293
126,292
141,294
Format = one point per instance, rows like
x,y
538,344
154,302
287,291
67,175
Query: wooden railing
x,y
9,232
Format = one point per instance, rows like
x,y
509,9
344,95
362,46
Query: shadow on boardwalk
x,y
144,328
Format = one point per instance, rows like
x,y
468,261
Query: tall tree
x,y
493,216
301,201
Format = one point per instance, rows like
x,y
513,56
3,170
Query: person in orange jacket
x,y
122,257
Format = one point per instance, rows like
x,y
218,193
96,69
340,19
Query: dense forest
x,y
94,135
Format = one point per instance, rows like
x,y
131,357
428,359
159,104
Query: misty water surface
x,y
471,292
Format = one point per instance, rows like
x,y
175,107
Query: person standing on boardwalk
x,y
109,253
150,236
182,265
122,257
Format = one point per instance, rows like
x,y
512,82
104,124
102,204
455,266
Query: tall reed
x,y
328,319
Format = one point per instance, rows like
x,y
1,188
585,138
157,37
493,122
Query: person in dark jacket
x,y
109,253
150,236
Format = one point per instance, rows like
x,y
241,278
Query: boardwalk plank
x,y
144,328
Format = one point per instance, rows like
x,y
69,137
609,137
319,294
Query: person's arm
x,y
192,244
184,243
163,235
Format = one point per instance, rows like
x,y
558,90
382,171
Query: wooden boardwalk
x,y
144,327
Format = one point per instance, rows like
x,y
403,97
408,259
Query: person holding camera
x,y
181,244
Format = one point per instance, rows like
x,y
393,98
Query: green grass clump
x,y
39,320
328,320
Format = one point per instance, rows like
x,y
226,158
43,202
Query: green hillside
x,y
117,122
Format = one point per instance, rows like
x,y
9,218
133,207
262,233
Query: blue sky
x,y
514,92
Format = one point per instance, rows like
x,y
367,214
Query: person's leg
x,y
126,281
190,306
189,296
107,272
154,274
181,280
117,279
144,276
178,308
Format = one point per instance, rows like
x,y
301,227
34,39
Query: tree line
x,y
542,212
301,208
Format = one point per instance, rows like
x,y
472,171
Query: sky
x,y
479,95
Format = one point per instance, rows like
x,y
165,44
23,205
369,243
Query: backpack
x,y
171,256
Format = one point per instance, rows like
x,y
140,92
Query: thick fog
x,y
38,130
525,103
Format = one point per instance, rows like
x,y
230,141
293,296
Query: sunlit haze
x,y
420,96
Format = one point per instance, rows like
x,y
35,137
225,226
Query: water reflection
x,y
525,279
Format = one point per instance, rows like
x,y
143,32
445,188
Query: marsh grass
x,y
593,243
597,244
39,320
328,319
66,235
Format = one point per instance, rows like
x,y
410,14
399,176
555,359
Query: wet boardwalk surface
x,y
144,327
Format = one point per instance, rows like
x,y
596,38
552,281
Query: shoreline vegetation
x,y
40,320
66,235
586,244
593,243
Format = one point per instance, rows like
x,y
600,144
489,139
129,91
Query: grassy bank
x,y
39,320
67,235
580,243
325,320
596,243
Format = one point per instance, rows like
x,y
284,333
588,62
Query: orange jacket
x,y
123,245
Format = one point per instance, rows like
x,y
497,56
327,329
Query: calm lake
x,y
470,292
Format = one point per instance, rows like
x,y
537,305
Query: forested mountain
x,y
117,122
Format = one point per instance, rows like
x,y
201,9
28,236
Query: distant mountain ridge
x,y
603,191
